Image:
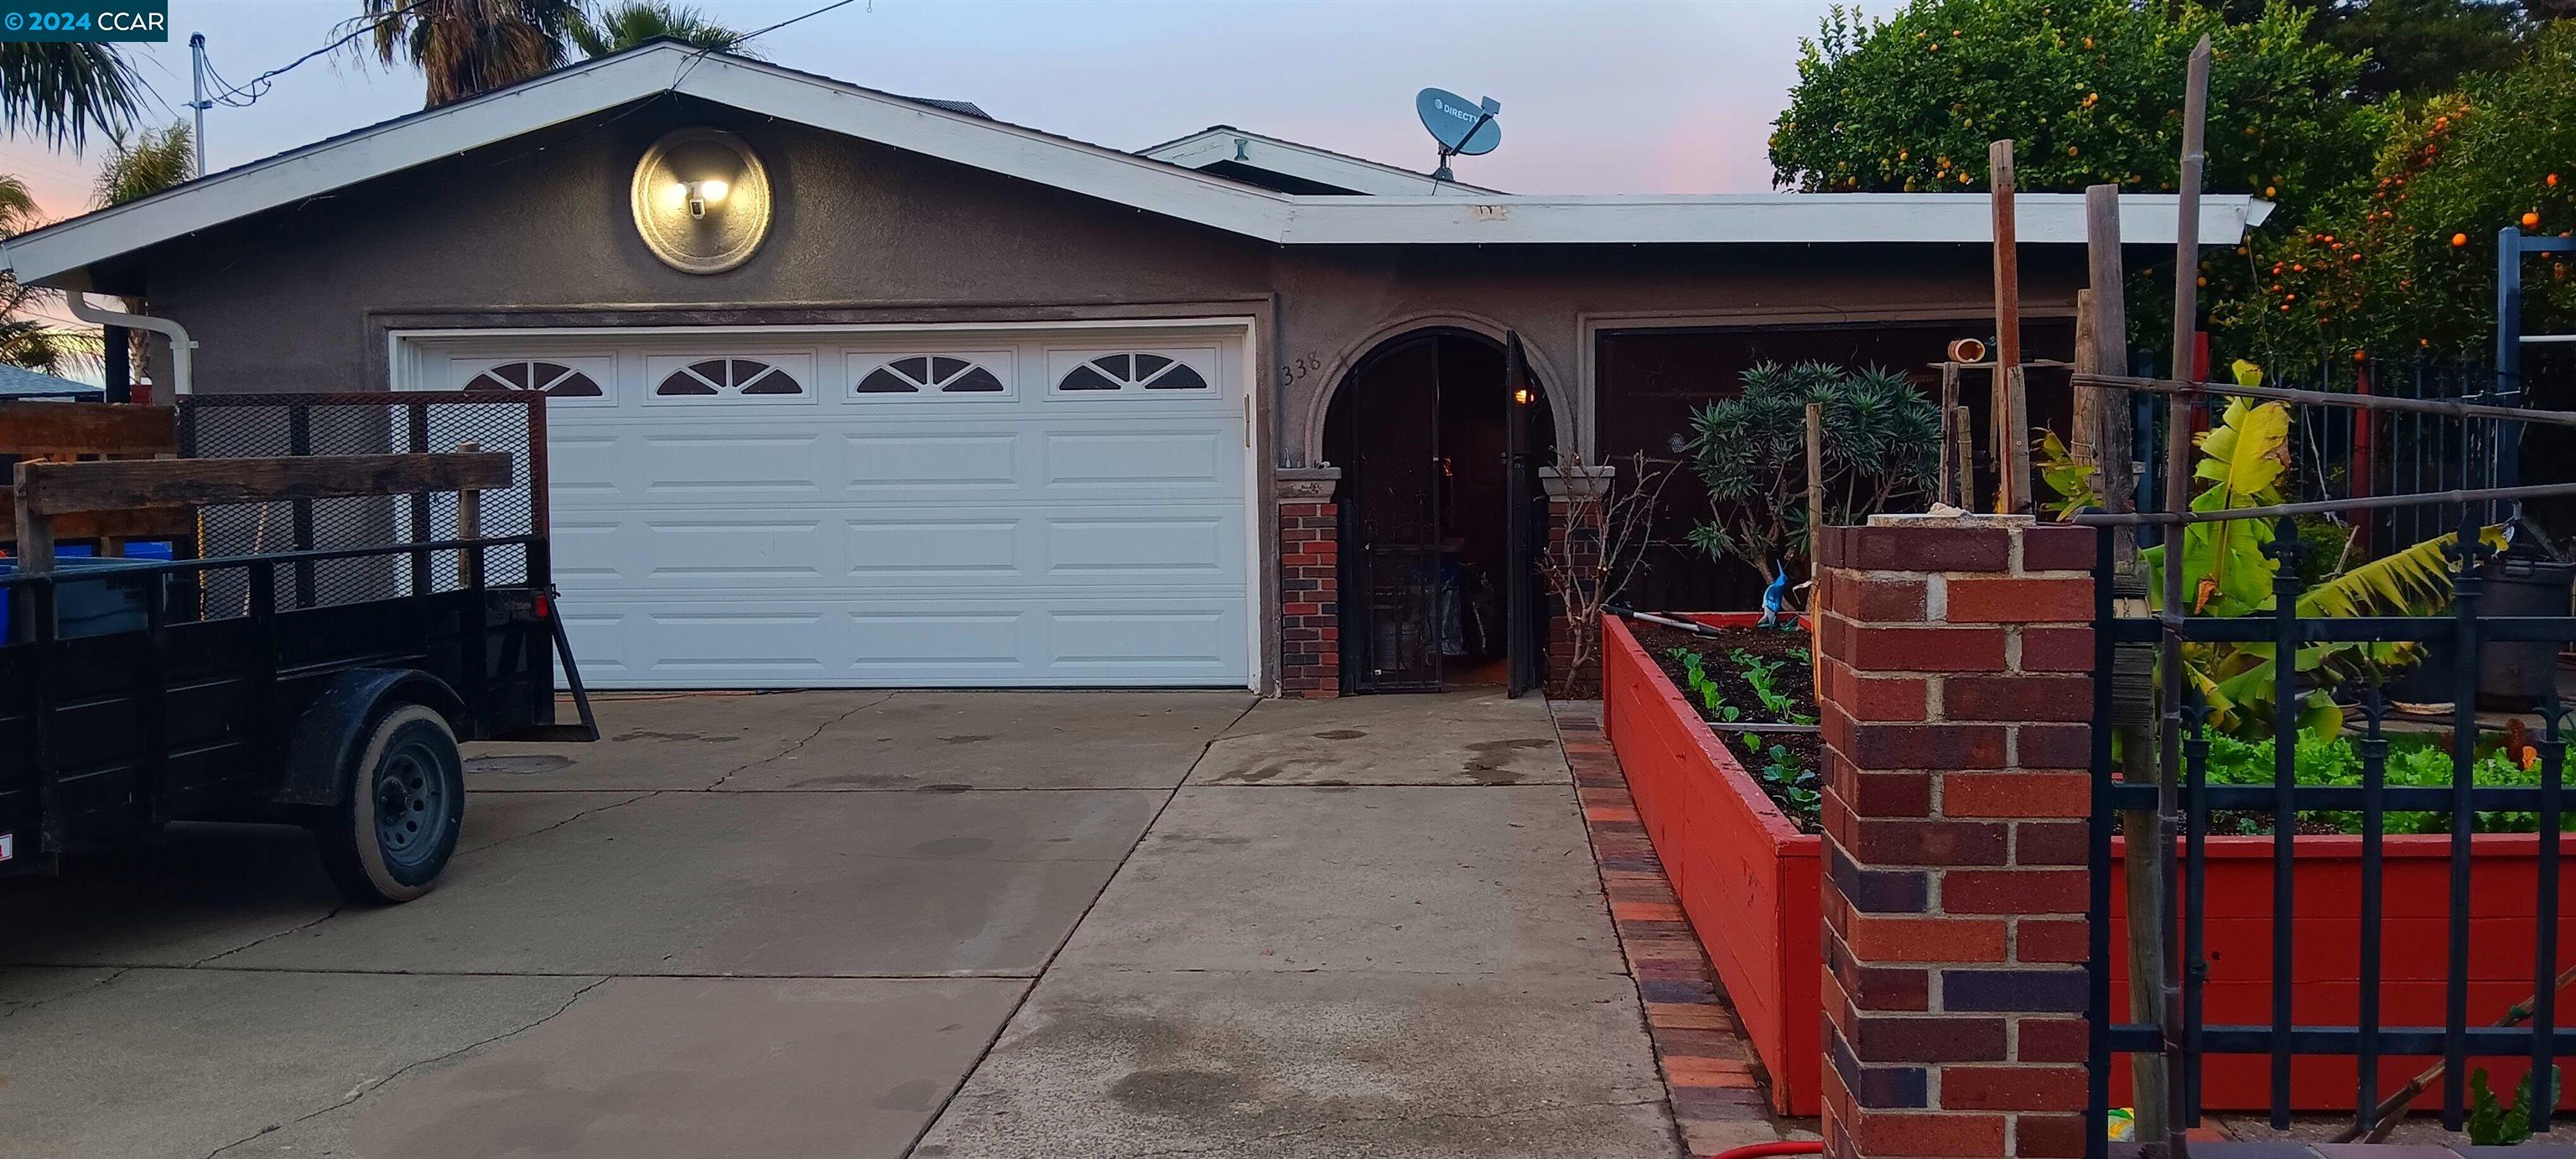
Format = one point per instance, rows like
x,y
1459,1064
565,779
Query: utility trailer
x,y
327,630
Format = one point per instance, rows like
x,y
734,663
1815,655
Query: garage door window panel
x,y
577,379
705,380
1132,370
923,377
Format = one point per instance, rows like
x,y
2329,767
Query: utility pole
x,y
197,70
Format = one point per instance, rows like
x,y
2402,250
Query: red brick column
x,y
1953,659
1580,546
1310,583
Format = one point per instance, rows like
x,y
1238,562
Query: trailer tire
x,y
387,840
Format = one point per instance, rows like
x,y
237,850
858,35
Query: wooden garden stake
x,y
2011,398
2099,324
1954,487
1815,484
1966,440
2114,426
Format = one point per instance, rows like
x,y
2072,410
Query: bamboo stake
x,y
2195,123
1966,441
2384,1117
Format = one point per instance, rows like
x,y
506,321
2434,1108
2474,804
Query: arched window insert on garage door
x,y
554,378
930,372
724,376
1131,371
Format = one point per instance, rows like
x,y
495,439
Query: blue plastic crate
x,y
99,607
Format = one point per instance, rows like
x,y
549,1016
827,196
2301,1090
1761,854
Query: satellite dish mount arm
x,y
1485,116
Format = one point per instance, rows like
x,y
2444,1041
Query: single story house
x,y
852,389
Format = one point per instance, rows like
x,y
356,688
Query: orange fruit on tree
x,y
2531,220
2459,239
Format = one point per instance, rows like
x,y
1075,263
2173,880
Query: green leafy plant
x,y
1881,443
1763,677
1792,782
2494,1125
2076,484
2227,571
1711,697
2413,762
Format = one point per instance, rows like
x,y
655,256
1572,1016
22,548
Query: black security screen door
x,y
1521,534
1439,491
1396,488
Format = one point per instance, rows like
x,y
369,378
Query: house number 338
x,y
1290,372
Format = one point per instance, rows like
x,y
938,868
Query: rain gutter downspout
x,y
181,346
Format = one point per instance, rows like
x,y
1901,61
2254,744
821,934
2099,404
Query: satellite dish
x,y
1460,125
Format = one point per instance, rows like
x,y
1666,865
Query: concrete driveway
x,y
876,924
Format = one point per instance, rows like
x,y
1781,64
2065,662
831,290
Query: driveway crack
x,y
120,972
368,1088
799,746
297,928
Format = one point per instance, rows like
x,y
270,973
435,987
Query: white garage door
x,y
940,508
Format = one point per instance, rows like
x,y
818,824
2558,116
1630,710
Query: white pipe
x,y
181,345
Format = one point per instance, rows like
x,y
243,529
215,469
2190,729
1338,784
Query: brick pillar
x,y
1310,583
1953,660
1581,546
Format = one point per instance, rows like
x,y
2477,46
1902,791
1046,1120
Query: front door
x,y
1397,512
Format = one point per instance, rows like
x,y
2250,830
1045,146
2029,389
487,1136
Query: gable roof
x,y
60,254
1227,145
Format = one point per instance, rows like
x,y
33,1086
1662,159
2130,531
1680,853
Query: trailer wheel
x,y
390,837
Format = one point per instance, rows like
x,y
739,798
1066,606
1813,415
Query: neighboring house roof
x,y
1228,151
19,382
969,108
60,254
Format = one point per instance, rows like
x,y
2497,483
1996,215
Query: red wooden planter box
x,y
1748,881
1743,873
2325,969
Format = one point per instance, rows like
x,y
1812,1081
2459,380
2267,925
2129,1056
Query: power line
x,y
748,37
249,93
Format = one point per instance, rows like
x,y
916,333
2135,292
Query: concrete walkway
x,y
950,925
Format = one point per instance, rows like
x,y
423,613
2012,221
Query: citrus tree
x,y
2089,90
2405,260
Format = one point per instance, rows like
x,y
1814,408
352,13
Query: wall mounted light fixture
x,y
701,200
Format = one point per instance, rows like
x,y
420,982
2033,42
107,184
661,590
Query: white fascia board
x,y
59,255
328,165
992,145
1200,150
1775,218
590,88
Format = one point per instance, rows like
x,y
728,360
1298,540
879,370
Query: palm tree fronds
x,y
57,91
154,160
638,21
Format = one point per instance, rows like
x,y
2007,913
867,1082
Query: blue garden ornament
x,y
1773,596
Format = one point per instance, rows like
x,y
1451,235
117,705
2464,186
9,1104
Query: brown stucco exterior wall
x,y
537,232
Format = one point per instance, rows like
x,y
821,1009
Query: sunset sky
x,y
1597,97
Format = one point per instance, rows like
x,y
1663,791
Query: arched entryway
x,y
1439,433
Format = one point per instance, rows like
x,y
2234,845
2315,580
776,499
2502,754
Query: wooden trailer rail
x,y
70,430
46,491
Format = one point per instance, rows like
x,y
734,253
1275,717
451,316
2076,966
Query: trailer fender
x,y
334,726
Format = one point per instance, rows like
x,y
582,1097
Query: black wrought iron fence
x,y
2359,453
274,425
2346,659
